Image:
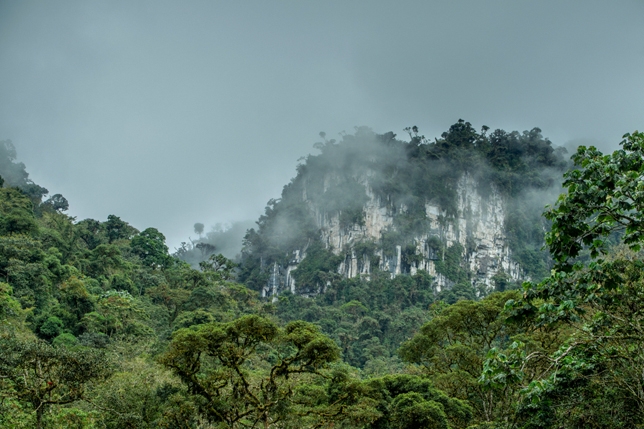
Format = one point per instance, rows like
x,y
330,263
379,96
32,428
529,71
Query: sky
x,y
167,113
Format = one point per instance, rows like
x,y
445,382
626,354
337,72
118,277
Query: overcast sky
x,y
170,113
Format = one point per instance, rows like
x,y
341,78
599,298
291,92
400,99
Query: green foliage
x,y
451,264
452,347
101,296
10,309
52,327
218,363
39,375
408,401
605,196
367,318
65,340
56,203
116,229
150,246
16,213
132,337
218,267
313,273
594,290
365,249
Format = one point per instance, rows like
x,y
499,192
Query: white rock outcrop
x,y
479,227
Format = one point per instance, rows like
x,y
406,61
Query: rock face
x,y
478,227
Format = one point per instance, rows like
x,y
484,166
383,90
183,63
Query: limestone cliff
x,y
479,228
466,209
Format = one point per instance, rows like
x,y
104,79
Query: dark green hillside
x,y
101,327
86,308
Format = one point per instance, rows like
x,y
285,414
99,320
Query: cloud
x,y
167,112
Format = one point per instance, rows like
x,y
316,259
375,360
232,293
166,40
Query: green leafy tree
x,y
452,347
218,268
16,213
116,229
91,232
220,363
117,314
150,246
596,289
57,203
10,309
21,265
40,376
408,401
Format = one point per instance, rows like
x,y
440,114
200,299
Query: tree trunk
x,y
39,413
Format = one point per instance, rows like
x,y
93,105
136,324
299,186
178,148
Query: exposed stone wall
x,y
480,218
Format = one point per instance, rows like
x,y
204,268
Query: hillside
x,y
100,327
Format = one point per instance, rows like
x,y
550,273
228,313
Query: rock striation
x,y
478,228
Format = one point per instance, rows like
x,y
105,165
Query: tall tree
x,y
151,248
199,228
221,364
40,375
595,378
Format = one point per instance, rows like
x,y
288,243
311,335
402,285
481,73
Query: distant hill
x,y
465,208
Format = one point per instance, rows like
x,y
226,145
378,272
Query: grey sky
x,y
171,113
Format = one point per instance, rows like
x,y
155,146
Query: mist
x,y
167,113
224,239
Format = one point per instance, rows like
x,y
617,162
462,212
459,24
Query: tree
x,y
150,246
220,363
411,402
40,375
117,314
16,213
57,202
92,232
604,205
10,309
199,228
452,347
21,265
116,229
596,287
218,267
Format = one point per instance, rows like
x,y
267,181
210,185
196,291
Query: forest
x,y
101,326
